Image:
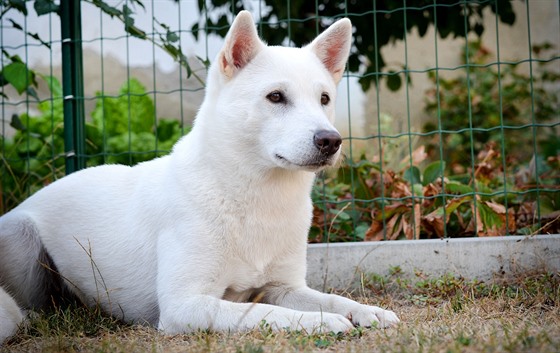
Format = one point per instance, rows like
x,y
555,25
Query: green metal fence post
x,y
72,84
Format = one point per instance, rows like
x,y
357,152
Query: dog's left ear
x,y
241,45
333,47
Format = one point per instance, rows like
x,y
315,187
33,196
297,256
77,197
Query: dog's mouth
x,y
313,164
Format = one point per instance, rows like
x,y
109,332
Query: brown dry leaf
x,y
492,232
412,229
508,222
486,153
400,189
417,156
434,221
476,99
431,190
476,219
525,214
407,229
496,207
375,231
392,231
417,220
388,177
388,211
496,216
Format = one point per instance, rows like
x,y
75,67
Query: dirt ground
x,y
445,314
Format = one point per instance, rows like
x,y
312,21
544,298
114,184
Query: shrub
x,y
430,195
123,129
491,104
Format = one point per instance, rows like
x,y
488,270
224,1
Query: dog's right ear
x,y
241,45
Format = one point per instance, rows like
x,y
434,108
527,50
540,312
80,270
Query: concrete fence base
x,y
339,265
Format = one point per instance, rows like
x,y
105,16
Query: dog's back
x,y
88,223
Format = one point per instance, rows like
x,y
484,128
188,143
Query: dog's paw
x,y
368,316
323,322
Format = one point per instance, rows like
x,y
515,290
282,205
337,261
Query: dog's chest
x,y
243,280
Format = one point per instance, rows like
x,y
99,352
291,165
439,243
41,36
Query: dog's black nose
x,y
327,141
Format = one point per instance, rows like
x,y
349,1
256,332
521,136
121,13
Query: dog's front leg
x,y
207,312
307,299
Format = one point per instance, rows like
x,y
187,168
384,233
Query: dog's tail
x,y
28,277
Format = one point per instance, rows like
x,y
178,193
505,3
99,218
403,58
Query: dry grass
x,y
446,314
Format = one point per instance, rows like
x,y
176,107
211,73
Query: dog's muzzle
x,y
326,142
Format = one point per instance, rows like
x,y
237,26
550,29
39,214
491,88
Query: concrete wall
x,y
340,265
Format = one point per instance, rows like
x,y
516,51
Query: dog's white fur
x,y
188,241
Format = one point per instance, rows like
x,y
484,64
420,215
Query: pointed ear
x,y
333,47
241,45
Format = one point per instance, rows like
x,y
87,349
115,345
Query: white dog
x,y
214,235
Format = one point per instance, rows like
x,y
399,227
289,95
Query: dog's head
x,y
280,102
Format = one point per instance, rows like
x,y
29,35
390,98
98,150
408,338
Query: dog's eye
x,y
325,99
276,97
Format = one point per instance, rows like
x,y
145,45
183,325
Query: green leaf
x,y
32,145
490,219
133,106
178,55
343,216
432,172
16,123
109,10
135,31
479,28
168,129
14,58
32,35
361,230
43,7
172,50
129,26
194,31
15,24
455,187
3,81
417,190
388,212
172,37
36,36
19,5
412,175
54,85
205,62
138,2
18,76
394,81
32,92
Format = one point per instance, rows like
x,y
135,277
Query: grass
x,y
447,314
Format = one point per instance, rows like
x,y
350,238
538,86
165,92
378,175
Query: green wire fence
x,y
450,108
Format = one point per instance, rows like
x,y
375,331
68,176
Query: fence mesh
x,y
456,133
